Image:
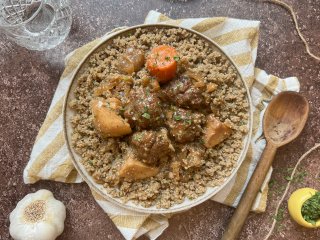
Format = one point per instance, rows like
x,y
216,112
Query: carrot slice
x,y
162,63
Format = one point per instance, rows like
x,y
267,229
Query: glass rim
x,y
6,24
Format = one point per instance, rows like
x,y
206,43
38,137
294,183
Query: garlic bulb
x,y
38,216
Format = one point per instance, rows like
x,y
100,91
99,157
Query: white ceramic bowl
x,y
68,113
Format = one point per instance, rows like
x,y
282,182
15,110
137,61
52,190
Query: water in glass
x,y
36,24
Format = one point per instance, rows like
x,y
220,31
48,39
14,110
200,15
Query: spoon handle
x,y
239,217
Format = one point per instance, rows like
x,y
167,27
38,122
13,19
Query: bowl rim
x,y
139,208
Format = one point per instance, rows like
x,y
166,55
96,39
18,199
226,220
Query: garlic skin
x,y
38,216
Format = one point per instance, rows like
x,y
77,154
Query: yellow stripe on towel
x,y
129,221
242,59
208,24
236,36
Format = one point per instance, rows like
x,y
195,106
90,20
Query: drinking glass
x,y
35,24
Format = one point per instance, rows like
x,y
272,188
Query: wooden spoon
x,y
283,121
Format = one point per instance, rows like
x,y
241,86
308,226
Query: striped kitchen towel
x,y
239,38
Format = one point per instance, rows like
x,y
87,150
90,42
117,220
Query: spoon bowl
x,y
285,118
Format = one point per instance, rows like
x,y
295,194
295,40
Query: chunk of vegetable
x,y
215,132
114,103
125,65
107,122
37,216
136,56
117,85
162,63
131,61
133,169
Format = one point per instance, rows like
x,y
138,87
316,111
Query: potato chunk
x,y
133,169
107,122
215,132
114,103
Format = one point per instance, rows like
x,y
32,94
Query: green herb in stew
x,y
189,121
137,137
146,115
177,117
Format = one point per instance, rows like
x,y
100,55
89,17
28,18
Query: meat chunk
x,y
133,169
150,146
215,132
107,122
192,156
182,92
144,109
184,125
